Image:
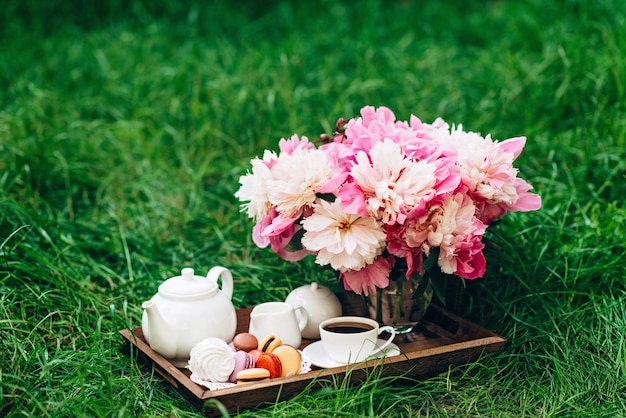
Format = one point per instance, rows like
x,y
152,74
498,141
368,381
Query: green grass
x,y
124,130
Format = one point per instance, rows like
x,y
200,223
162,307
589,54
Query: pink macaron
x,y
243,361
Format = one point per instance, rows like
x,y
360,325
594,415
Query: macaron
x,y
252,375
269,343
245,342
290,359
271,363
255,353
243,361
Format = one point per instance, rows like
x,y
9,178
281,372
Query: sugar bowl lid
x,y
313,290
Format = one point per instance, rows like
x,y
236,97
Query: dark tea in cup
x,y
348,327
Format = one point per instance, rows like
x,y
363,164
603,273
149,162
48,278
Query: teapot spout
x,y
158,333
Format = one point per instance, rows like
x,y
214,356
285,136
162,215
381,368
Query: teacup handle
x,y
391,330
303,317
227,279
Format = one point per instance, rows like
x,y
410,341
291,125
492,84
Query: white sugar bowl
x,y
319,302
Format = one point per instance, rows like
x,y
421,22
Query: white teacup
x,y
352,339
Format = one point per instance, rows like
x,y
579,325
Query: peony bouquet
x,y
382,193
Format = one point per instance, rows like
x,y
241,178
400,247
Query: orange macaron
x,y
271,363
290,359
255,353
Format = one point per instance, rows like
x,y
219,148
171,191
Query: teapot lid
x,y
187,284
313,290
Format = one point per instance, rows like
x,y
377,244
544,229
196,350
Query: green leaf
x,y
329,197
296,241
440,283
421,287
431,260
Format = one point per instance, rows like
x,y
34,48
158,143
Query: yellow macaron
x,y
255,374
269,343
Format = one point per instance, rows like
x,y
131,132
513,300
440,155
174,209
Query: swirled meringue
x,y
212,360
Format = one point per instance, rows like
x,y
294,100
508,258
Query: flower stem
x,y
397,305
379,306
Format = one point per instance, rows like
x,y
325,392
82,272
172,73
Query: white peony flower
x,y
296,178
345,241
254,188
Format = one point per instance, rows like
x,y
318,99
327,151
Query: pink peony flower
x,y
468,259
405,242
486,168
370,277
277,230
288,146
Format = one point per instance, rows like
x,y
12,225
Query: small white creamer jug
x,y
278,319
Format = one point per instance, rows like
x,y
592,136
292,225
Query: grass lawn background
x,y
124,127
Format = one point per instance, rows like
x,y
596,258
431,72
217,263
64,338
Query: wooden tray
x,y
441,340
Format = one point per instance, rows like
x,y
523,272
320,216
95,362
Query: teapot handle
x,y
227,279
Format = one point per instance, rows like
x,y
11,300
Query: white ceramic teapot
x,y
188,309
320,304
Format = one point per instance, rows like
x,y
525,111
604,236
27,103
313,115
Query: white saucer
x,y
318,356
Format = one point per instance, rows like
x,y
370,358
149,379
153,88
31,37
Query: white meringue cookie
x,y
212,360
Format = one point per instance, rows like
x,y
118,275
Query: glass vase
x,y
402,304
